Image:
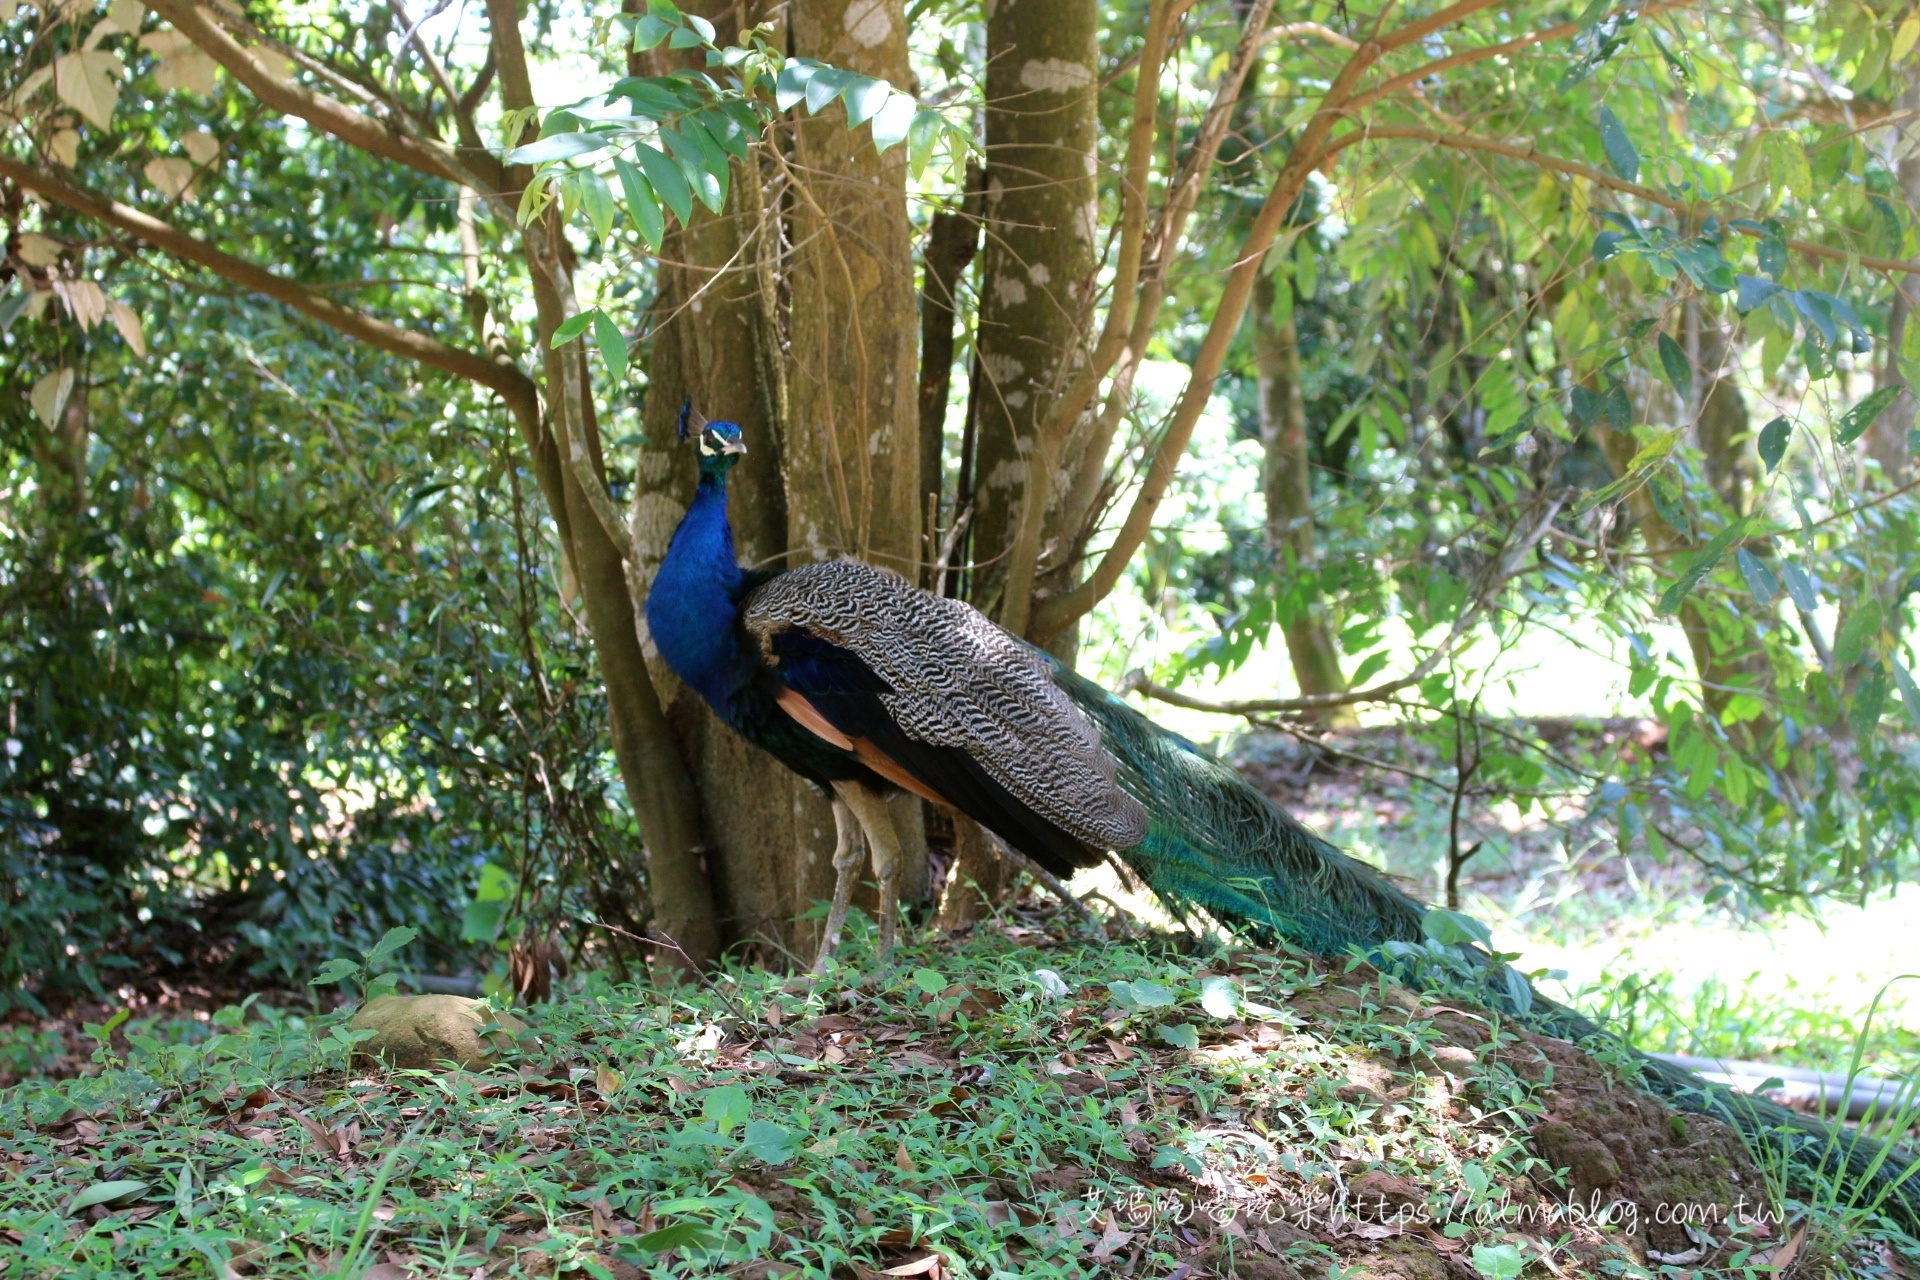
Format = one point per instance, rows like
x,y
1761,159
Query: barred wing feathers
x,y
949,678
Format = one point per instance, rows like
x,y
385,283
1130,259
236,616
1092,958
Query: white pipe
x,y
1827,1091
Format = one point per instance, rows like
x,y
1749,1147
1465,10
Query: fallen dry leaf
x,y
1784,1255
927,1266
1112,1240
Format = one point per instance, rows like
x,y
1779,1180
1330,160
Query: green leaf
x,y
597,198
668,182
864,96
702,179
894,121
1787,168
422,500
572,327
922,132
1854,422
768,1142
1773,441
334,971
1799,587
1702,564
1619,148
1451,928
394,939
1760,579
824,86
681,1235
612,344
117,1192
648,32
930,981
726,1108
791,86
1868,702
1519,991
561,146
1861,629
496,884
1474,1174
1498,1261
642,205
482,921
1181,1035
1679,371
1220,998
1909,692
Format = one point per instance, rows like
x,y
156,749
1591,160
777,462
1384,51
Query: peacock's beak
x,y
734,446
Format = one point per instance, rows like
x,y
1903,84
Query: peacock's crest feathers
x,y
957,680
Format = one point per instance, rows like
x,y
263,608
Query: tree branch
x,y
1084,485
327,114
510,383
457,106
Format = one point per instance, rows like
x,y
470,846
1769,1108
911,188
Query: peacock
x,y
866,685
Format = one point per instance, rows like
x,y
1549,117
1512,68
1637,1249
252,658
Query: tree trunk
x,y
658,785
1886,440
1287,482
952,239
1721,425
853,438
980,878
1038,270
716,341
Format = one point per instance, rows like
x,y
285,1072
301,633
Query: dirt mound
x,y
1615,1166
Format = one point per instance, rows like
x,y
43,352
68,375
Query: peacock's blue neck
x,y
695,597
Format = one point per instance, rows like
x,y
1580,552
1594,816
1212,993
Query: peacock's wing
x,y
964,707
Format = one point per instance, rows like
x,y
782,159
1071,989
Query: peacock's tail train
x,y
1213,841
1216,843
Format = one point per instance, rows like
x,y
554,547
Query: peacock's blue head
x,y
720,443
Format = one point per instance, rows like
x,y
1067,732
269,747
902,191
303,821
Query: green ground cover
x,y
1019,1103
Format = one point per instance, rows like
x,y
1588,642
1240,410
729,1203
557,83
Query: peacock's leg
x,y
883,842
846,869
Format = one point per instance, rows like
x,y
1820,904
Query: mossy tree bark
x,y
852,444
1037,270
716,340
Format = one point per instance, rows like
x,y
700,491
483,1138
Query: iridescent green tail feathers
x,y
1216,843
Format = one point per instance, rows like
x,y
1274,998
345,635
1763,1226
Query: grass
x,y
1018,1104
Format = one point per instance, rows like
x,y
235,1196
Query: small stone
x,y
431,1031
1589,1165
1454,1058
1379,1194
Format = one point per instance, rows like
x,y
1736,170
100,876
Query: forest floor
x,y
1018,1101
